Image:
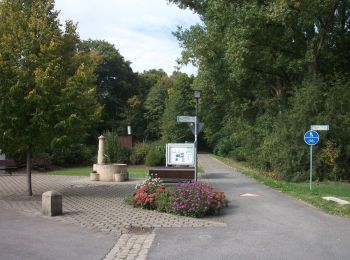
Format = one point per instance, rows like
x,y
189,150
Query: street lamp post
x,y
197,95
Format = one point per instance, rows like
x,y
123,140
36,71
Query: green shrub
x,y
73,155
139,153
154,157
114,152
163,199
128,199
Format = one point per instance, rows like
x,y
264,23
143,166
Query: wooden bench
x,y
172,174
8,166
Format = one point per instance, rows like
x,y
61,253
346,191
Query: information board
x,y
180,154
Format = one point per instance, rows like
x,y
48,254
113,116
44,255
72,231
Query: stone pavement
x,y
97,206
131,246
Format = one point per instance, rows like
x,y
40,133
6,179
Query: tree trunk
x,y
29,171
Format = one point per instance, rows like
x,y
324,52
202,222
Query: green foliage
x,y
47,93
75,154
139,152
179,102
163,200
128,199
268,70
116,83
155,157
155,105
114,152
47,97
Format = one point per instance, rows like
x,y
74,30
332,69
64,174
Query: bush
x,y
163,200
73,155
114,152
139,153
154,158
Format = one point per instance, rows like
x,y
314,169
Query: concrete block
x,y
94,176
52,203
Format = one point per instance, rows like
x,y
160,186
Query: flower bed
x,y
193,199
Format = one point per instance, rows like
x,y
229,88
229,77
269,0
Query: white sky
x,y
140,29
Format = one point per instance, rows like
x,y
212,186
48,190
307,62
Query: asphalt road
x,y
269,226
27,237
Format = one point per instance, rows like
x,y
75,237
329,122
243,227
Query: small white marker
x,y
337,200
249,195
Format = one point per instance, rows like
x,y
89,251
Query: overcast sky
x,y
140,29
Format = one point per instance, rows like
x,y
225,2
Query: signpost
x,y
196,127
311,138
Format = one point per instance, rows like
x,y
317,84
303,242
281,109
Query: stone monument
x,y
116,172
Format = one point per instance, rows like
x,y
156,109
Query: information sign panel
x,y
180,154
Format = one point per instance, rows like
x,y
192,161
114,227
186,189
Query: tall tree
x,y
47,97
115,83
256,59
155,105
179,102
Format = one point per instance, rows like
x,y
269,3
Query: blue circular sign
x,y
311,137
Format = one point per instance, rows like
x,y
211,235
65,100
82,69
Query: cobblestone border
x,y
131,247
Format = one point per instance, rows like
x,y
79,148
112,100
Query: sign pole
x,y
195,154
311,167
311,138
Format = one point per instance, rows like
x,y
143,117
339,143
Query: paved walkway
x,y
268,226
97,224
97,206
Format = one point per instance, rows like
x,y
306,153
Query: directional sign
x,y
193,128
320,127
186,119
311,137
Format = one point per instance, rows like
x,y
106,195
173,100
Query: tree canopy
x,y
270,69
47,96
115,83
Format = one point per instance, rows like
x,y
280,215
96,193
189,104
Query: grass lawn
x,y
301,190
134,171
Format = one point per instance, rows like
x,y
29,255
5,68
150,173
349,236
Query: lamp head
x,y
197,93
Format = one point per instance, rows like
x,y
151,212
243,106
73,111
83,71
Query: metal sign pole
x,y
311,138
195,154
311,167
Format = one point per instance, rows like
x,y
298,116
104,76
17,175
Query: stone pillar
x,y
51,203
101,150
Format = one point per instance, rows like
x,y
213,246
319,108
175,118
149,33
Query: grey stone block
x,y
52,203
